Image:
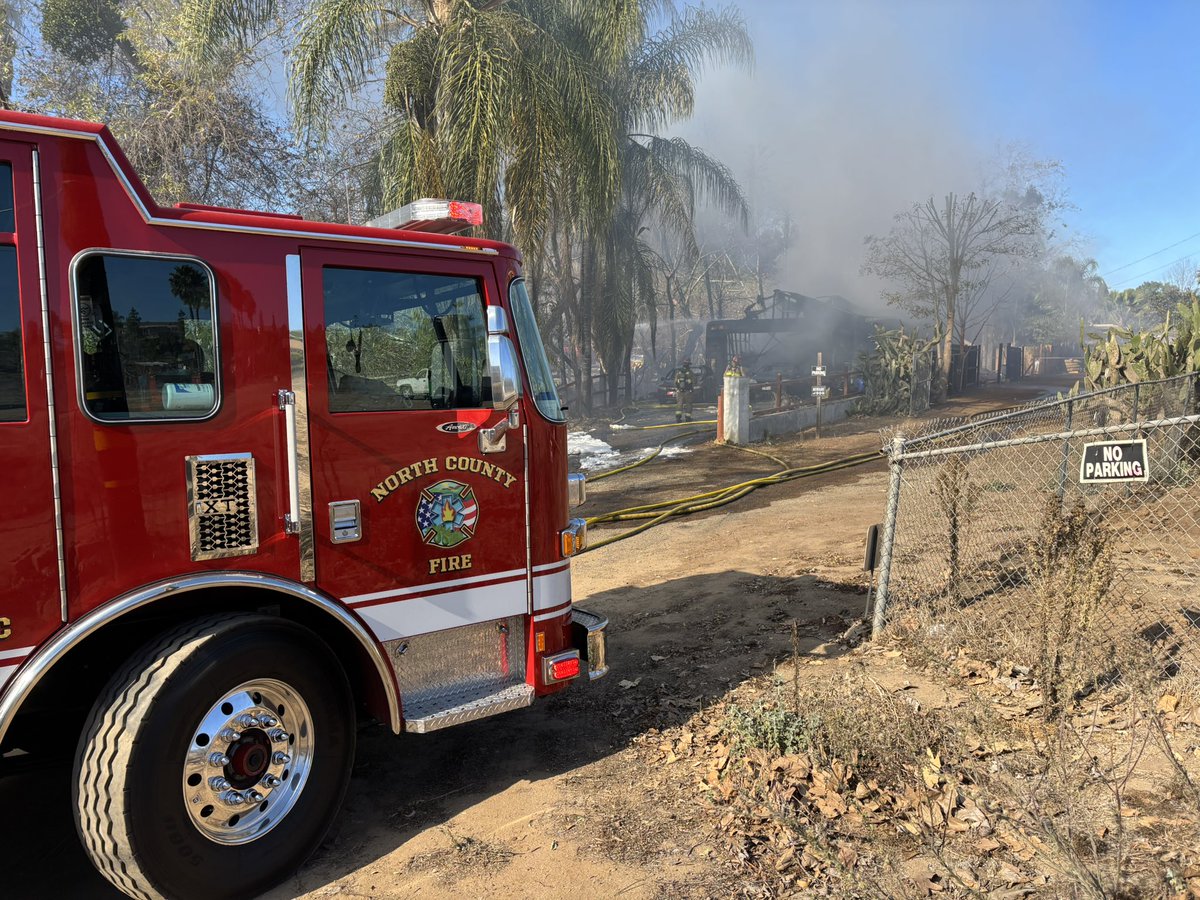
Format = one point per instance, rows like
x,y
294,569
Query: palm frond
x,y
659,84
337,46
711,179
206,24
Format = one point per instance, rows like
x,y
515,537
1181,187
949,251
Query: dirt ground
x,y
563,798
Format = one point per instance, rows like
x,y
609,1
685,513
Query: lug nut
x,y
248,721
281,759
271,781
268,721
232,798
228,735
219,760
279,736
254,796
218,784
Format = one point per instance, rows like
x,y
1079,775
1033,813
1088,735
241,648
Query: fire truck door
x,y
31,605
414,525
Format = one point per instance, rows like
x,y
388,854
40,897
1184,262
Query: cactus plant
x,y
1124,356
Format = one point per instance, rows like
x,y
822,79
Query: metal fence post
x,y
1066,453
889,535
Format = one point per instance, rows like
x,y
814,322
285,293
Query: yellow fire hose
x,y
667,425
608,473
657,513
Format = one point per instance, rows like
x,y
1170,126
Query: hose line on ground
x,y
667,425
608,473
657,513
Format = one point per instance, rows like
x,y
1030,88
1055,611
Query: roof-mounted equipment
x,y
433,216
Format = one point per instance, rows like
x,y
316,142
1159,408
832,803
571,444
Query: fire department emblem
x,y
447,513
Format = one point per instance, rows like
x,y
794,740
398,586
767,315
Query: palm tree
x,y
546,111
486,100
661,177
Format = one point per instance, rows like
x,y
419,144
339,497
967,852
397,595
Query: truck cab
x,y
269,476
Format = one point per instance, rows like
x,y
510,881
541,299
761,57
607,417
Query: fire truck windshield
x,y
537,366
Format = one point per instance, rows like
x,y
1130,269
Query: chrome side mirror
x,y
505,371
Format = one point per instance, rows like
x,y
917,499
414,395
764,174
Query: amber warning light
x,y
433,216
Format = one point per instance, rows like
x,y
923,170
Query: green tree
x,y
196,128
1151,301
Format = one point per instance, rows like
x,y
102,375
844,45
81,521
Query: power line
x,y
1155,253
1135,278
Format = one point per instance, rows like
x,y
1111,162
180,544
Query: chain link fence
x,y
1063,536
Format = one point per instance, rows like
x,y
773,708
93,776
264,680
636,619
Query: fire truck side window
x,y
8,214
400,340
12,376
147,337
12,371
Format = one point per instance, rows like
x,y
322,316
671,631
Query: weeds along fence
x,y
1063,536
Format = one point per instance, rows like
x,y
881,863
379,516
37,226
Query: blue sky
x,y
863,106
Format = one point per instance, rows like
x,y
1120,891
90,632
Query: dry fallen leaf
x,y
1167,703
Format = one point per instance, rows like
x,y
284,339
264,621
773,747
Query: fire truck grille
x,y
222,515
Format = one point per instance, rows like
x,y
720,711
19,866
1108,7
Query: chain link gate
x,y
994,542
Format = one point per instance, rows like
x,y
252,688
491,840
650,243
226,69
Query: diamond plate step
x,y
425,714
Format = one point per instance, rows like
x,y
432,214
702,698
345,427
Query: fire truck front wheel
x,y
215,760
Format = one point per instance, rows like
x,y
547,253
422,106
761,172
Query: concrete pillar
x,y
736,403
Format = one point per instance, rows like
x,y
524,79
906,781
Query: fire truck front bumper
x,y
587,635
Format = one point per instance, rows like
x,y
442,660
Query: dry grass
x,y
909,774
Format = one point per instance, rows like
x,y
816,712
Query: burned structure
x,y
783,333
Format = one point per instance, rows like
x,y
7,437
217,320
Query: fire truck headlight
x,y
576,488
574,537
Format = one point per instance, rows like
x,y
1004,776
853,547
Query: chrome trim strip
x,y
528,531
36,666
215,226
497,320
51,412
77,335
295,302
287,403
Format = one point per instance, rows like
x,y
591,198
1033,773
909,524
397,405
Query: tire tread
x,y
102,765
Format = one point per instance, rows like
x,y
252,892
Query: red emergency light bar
x,y
433,216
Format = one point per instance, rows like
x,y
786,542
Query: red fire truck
x,y
264,476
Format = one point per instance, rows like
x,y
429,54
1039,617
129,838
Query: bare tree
x,y
1183,273
940,259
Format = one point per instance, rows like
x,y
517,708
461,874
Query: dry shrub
x,y
848,719
1071,569
957,495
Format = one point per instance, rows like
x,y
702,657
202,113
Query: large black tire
x,y
131,812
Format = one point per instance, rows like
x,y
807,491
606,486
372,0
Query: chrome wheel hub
x,y
248,761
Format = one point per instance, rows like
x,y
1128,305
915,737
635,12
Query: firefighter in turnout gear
x,y
685,386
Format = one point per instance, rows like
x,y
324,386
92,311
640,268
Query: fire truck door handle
x,y
491,440
287,403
